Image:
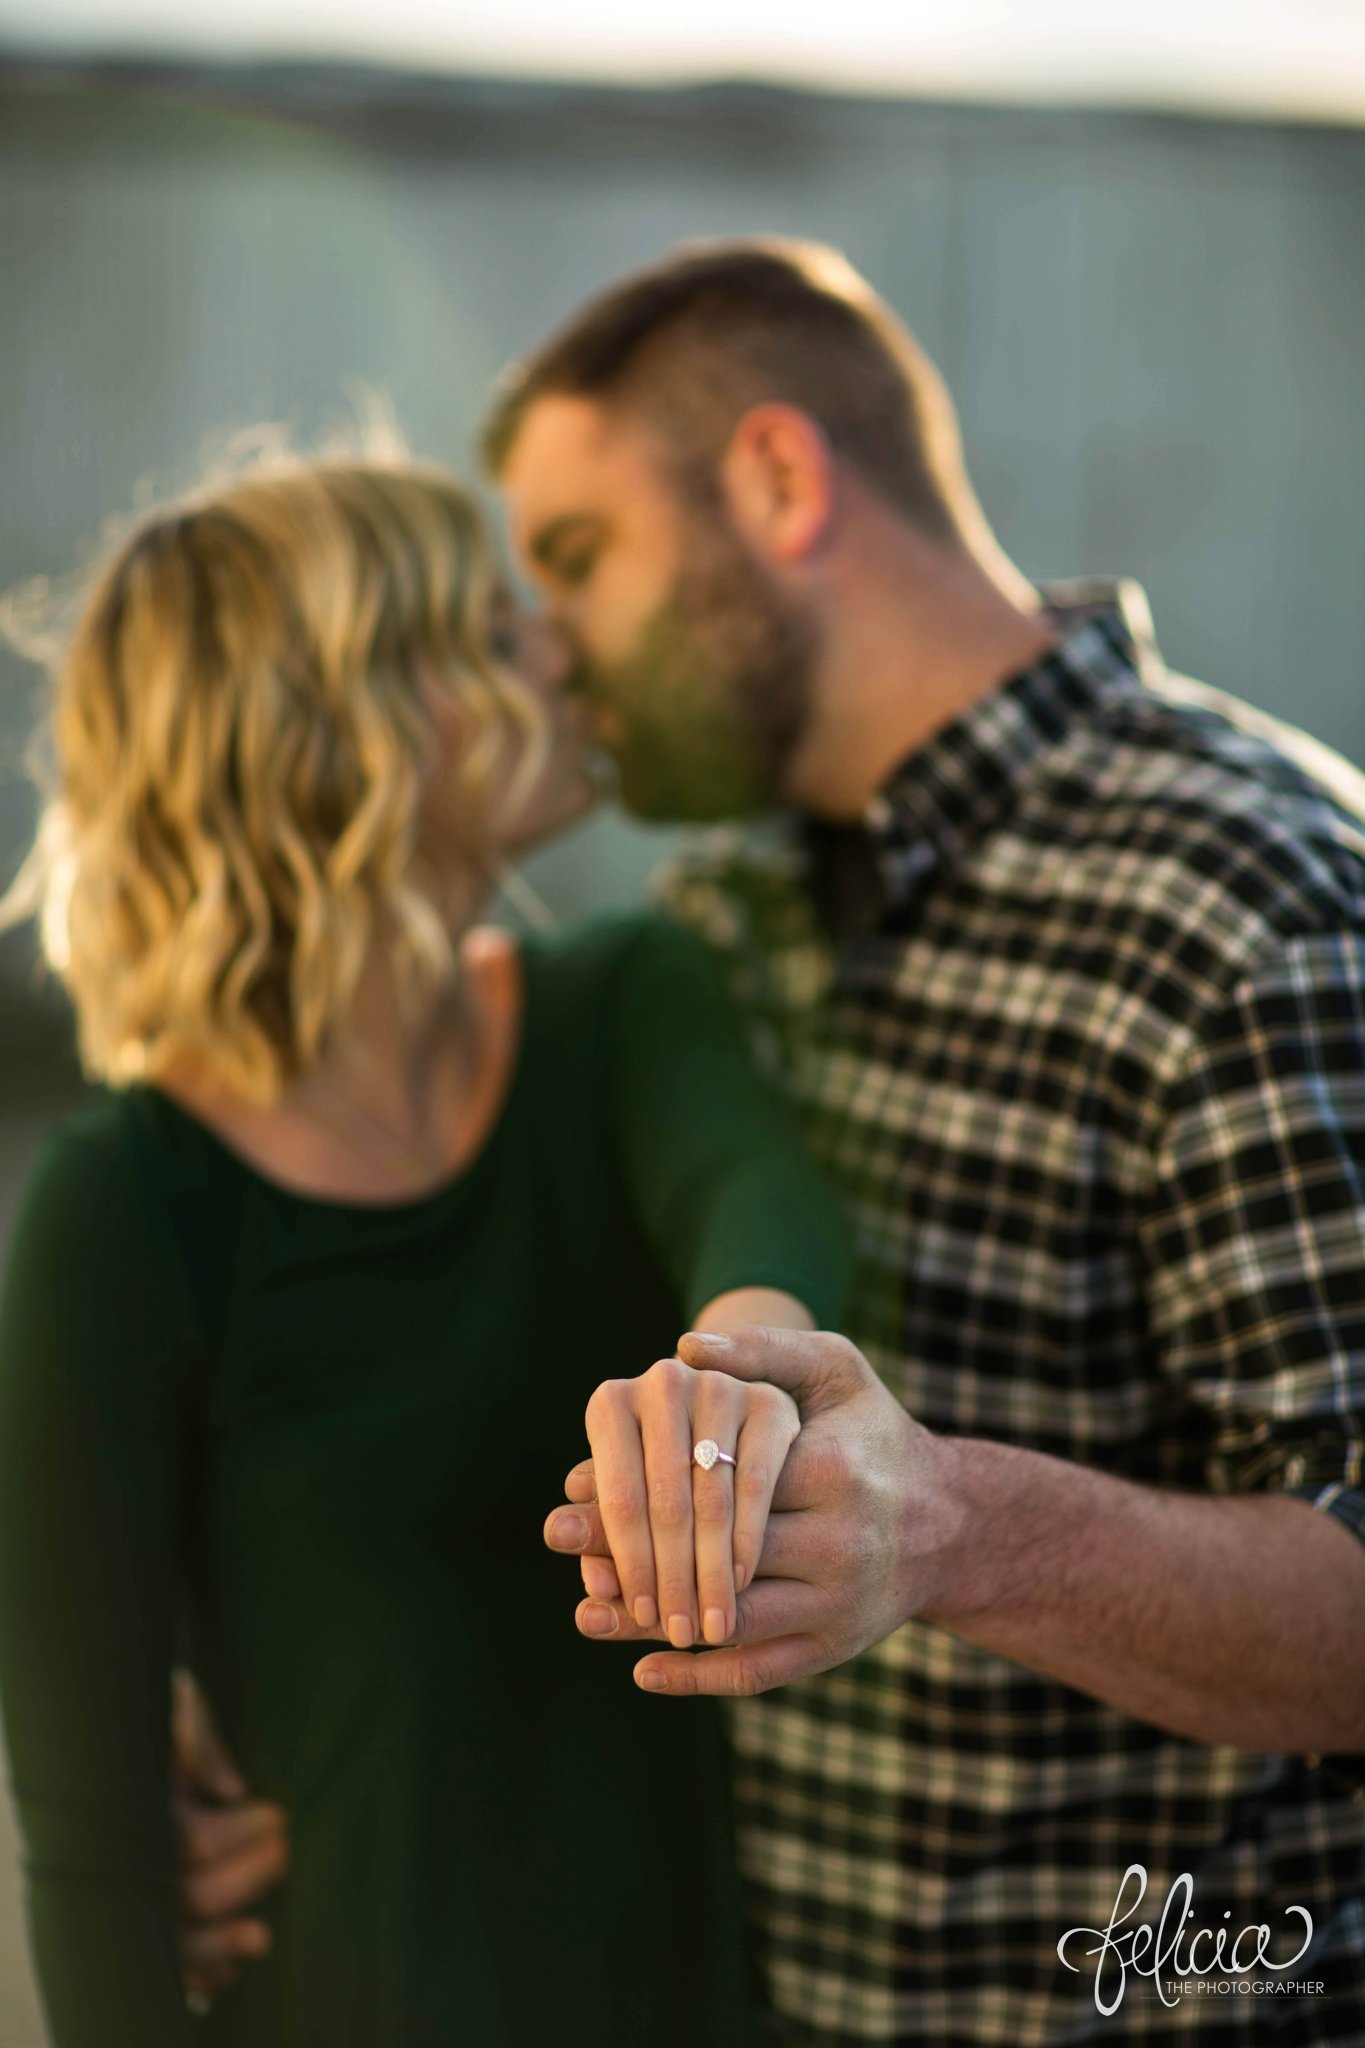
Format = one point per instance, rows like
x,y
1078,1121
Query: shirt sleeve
x,y
717,1167
1255,1237
93,1440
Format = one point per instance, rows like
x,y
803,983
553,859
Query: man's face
x,y
696,666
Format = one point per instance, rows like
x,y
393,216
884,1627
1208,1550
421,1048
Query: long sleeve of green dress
x,y
95,1368
326,1435
725,1190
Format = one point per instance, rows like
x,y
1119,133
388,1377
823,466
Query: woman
x,y
303,1307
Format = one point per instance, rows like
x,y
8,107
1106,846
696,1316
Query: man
x,y
1063,958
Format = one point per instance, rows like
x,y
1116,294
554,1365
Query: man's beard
x,y
715,699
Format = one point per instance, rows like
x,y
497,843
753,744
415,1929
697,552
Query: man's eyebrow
x,y
548,540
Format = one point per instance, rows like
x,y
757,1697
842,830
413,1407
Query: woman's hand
x,y
230,1847
684,1541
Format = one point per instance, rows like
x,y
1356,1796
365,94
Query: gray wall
x,y
1153,325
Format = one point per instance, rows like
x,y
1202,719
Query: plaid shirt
x,y
1076,1018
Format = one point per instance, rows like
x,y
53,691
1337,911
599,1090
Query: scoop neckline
x,y
441,1191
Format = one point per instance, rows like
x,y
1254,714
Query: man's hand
x,y
865,1530
1223,1619
232,1849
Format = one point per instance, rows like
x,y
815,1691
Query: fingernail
x,y
680,1631
741,1577
599,1620
712,1339
646,1613
652,1681
568,1532
713,1625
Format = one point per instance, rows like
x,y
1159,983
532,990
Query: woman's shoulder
x,y
94,1282
87,1154
105,1172
83,1216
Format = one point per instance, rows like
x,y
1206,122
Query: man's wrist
x,y
933,1554
996,1507
946,1581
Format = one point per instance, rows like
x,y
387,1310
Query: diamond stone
x,y
706,1453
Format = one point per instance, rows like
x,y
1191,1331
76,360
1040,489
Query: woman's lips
x,y
607,728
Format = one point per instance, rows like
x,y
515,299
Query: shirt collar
x,y
952,788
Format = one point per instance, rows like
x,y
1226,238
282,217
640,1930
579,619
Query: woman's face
x,y
523,813
536,652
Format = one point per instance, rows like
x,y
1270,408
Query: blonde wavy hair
x,y
238,740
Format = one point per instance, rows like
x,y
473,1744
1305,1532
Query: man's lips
x,y
602,721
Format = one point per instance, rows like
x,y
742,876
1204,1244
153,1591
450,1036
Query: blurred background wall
x,y
1153,325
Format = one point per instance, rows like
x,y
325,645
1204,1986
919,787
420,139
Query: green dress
x,y
312,1444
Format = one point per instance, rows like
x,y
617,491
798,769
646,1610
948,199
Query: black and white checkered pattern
x,y
1077,1019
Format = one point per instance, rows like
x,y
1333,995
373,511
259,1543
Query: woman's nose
x,y
549,654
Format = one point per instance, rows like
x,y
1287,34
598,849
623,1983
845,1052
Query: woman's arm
x,y
94,1417
725,1188
742,1306
749,1233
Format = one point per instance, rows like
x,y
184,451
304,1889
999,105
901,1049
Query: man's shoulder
x,y
1190,809
1257,744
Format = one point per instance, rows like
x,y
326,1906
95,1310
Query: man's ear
x,y
779,479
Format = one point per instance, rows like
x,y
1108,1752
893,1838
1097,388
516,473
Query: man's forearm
x,y
1236,1620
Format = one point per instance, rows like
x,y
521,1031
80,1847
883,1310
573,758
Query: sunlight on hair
x,y
240,736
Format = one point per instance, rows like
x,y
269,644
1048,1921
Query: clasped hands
x,y
841,1520
836,1524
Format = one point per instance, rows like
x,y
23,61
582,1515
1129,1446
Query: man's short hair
x,y
717,327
